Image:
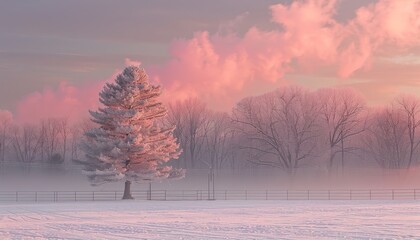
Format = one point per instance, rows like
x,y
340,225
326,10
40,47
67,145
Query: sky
x,y
55,56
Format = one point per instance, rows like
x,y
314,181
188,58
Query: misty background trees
x,y
292,128
288,129
29,145
278,129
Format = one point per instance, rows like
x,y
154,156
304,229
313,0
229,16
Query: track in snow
x,y
212,220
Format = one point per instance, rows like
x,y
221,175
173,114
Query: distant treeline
x,y
288,128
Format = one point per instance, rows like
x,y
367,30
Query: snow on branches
x,y
129,143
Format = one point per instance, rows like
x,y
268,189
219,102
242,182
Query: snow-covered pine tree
x,y
129,143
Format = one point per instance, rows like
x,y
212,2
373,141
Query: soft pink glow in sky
x,y
313,35
66,101
5,116
219,68
307,40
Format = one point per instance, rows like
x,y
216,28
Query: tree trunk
x,y
331,161
291,177
127,190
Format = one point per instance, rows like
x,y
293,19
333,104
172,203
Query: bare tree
x,y
410,107
280,127
25,141
385,139
190,118
4,138
64,131
219,135
176,118
341,117
196,117
76,137
54,136
50,133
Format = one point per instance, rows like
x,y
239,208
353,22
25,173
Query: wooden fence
x,y
195,195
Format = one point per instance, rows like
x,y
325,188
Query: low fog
x,y
290,138
72,179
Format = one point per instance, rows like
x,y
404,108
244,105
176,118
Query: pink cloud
x,y
310,30
5,116
387,27
219,68
223,68
65,101
316,38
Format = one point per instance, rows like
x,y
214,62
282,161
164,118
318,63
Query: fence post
x,y
395,195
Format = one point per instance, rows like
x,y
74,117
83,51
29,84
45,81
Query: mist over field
x,y
222,119
290,138
232,180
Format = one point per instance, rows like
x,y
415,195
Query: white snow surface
x,y
211,220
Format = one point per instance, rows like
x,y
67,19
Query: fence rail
x,y
196,195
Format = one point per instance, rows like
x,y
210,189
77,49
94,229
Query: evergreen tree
x,y
129,143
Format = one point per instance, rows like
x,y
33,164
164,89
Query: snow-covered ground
x,y
212,220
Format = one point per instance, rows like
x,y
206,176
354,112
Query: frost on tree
x,y
129,143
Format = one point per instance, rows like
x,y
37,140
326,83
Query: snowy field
x,y
212,220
